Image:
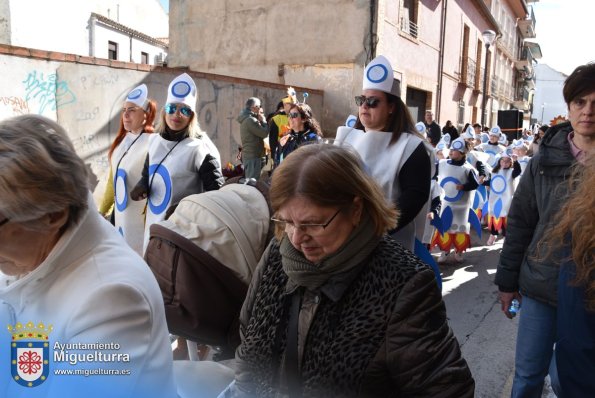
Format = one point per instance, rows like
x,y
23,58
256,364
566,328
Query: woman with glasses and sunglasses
x,y
127,156
67,274
336,307
400,160
182,160
304,129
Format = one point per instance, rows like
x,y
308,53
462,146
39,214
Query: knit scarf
x,y
356,249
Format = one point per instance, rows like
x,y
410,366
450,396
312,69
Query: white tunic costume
x,y
492,151
500,198
384,162
173,173
454,201
128,160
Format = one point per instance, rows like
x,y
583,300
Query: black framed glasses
x,y
185,111
372,102
308,229
4,221
294,115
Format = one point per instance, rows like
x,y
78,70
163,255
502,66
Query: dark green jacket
x,y
252,132
536,202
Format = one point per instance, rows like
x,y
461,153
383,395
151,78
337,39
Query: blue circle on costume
x,y
351,122
500,184
181,89
454,181
162,171
134,94
375,70
121,206
457,145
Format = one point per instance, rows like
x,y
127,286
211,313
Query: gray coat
x,y
536,202
252,132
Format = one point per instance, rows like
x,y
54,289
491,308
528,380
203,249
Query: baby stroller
x,y
203,257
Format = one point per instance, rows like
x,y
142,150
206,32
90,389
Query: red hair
x,y
148,128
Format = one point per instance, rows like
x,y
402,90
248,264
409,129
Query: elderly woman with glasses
x,y
182,160
336,307
304,128
127,155
400,160
73,296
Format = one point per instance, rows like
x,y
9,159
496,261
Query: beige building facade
x,y
435,46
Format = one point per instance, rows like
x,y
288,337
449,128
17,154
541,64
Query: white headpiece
x,y
182,90
469,133
459,145
496,131
379,76
446,138
503,139
420,127
138,96
350,121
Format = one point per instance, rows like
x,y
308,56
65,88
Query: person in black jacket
x,y
432,128
450,130
524,271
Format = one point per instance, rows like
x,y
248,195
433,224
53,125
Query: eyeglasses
x,y
185,111
132,109
308,229
372,102
4,221
294,115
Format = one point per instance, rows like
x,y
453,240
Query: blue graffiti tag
x,y
48,91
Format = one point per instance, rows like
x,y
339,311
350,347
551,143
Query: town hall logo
x,y
30,348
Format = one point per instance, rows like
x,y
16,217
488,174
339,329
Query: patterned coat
x,y
379,330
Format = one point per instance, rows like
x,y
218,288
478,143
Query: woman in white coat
x,y
84,312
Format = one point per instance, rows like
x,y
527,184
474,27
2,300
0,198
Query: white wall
x,y
548,92
62,25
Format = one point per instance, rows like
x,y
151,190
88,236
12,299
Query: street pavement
x,y
487,338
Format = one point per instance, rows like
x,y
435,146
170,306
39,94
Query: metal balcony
x,y
527,26
409,27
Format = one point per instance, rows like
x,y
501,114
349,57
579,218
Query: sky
x,y
565,30
165,5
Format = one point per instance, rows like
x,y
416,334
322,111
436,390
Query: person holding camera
x,y
253,129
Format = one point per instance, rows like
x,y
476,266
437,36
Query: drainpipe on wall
x,y
131,48
372,35
92,21
441,59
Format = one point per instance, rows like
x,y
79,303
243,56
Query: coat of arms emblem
x,y
30,353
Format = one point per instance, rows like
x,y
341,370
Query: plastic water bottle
x,y
514,307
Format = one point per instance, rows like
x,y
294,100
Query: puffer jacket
x,y
252,133
379,330
537,200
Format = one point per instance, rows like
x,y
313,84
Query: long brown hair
x,y
150,113
310,123
574,226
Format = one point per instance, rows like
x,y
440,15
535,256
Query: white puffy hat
x,y
350,121
420,127
469,133
379,75
459,145
496,131
182,90
138,96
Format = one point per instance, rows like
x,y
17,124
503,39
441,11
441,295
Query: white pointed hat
x,y
495,131
459,145
350,121
469,133
182,90
138,96
379,75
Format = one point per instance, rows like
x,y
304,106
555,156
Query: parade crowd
x,y
341,293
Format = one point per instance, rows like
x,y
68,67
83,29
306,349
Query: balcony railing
x,y
408,27
468,71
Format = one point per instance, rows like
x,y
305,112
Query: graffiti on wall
x,y
47,90
16,105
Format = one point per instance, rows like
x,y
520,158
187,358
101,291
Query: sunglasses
x,y
170,109
372,102
294,115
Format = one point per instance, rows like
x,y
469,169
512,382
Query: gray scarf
x,y
356,248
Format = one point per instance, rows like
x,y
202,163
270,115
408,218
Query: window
x,y
409,18
112,50
144,58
